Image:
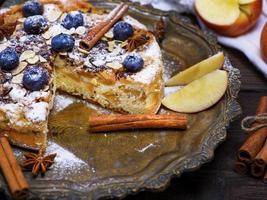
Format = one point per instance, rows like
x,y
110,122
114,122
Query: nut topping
x,y
20,68
53,14
27,55
33,60
114,65
17,79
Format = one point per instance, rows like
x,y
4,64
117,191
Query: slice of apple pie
x,y
43,52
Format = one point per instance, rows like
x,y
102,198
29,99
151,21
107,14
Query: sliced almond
x,y
21,20
111,45
114,65
124,43
81,30
33,60
48,42
63,53
20,68
104,39
17,79
42,59
83,51
109,34
53,14
70,32
27,55
46,88
63,16
47,35
55,30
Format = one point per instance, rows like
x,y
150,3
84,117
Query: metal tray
x,y
115,165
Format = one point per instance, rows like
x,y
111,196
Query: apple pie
x,y
41,52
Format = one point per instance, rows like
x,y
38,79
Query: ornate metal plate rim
x,y
119,188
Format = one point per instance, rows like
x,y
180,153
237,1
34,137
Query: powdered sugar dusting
x,y
62,101
152,55
37,112
64,157
65,161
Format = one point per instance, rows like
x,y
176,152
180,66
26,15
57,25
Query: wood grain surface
x,y
217,180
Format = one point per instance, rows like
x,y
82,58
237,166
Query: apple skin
x,y
243,24
263,43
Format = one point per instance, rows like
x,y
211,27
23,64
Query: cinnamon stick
x,y
12,172
99,30
116,119
240,167
106,123
255,140
259,163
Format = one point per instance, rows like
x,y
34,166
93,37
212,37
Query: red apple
x,y
264,43
229,17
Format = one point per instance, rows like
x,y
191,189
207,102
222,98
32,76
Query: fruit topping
x,y
198,70
62,43
122,31
35,24
35,78
9,59
31,8
73,20
133,63
199,94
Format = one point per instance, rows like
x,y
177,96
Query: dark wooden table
x,y
217,180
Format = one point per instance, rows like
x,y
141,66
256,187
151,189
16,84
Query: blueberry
x,y
31,8
35,78
9,59
133,63
36,24
73,20
122,31
62,43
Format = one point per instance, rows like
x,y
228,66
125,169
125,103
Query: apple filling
x,y
119,95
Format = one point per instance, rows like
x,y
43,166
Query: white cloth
x,y
248,43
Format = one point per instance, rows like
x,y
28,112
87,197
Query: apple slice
x,y
242,2
229,17
199,94
198,70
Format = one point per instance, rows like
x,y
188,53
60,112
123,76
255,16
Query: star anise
x,y
38,162
139,38
159,30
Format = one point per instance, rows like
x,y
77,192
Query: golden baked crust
x,y
79,72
